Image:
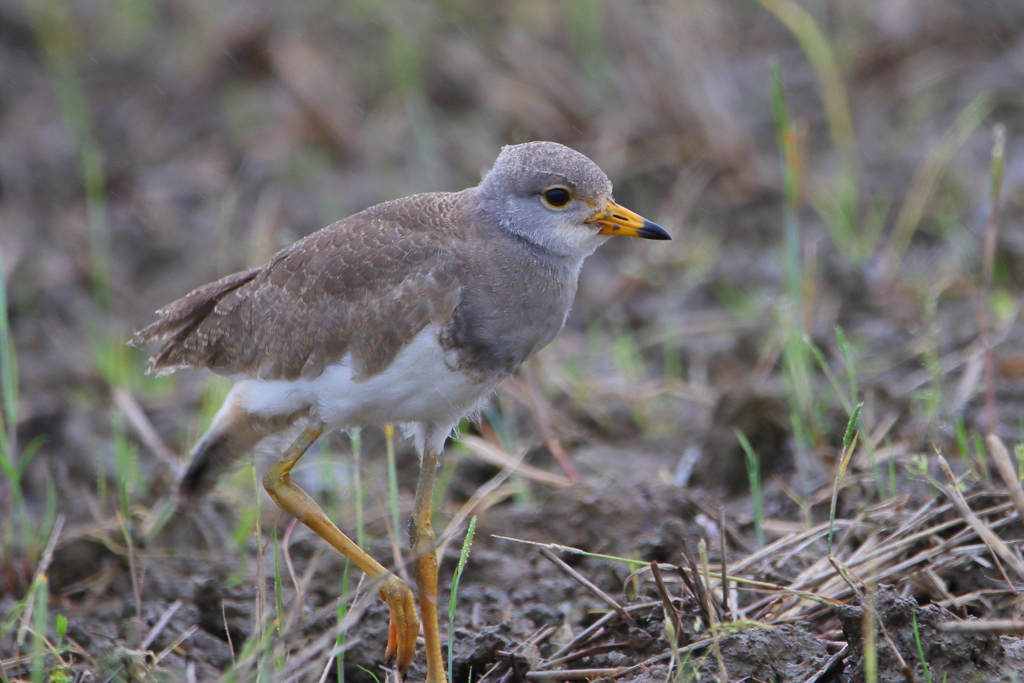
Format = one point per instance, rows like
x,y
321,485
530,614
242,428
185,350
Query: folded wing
x,y
362,288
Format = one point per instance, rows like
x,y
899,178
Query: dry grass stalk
x,y
586,583
286,542
541,411
831,664
1007,472
723,674
868,604
227,632
182,637
133,573
574,674
726,611
160,625
535,640
666,600
482,499
987,269
590,632
697,587
996,545
499,458
140,422
983,626
587,652
41,569
892,553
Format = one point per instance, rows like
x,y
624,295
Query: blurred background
x,y
827,169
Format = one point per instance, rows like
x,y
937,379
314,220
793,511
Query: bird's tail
x,y
214,454
234,434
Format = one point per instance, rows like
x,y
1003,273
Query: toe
x,y
404,626
389,651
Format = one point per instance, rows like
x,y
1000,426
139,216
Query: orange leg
x,y
404,626
421,533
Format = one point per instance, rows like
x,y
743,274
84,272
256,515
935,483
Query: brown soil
x,y
226,130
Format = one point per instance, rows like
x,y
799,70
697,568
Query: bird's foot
x,y
404,625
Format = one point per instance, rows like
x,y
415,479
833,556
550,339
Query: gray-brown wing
x,y
365,286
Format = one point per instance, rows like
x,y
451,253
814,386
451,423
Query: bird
x,y
409,312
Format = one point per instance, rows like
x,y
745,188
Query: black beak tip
x,y
652,231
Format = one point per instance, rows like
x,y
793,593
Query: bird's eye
x,y
556,197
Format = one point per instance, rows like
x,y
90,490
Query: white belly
x,y
417,387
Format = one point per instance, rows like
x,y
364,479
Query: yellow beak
x,y
618,220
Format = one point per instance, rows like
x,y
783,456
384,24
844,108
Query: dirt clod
x,y
949,656
781,654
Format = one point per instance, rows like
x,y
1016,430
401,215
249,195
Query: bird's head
x,y
559,199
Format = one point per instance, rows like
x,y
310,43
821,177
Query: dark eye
x,y
557,197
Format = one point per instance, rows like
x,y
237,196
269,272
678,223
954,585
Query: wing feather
x,y
365,286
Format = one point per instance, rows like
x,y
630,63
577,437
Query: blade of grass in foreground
x,y
869,636
920,649
42,598
463,557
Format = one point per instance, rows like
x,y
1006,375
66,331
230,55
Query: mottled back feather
x,y
364,286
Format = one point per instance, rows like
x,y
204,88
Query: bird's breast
x,y
502,322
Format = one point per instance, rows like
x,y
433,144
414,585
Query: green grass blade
x,y
40,617
869,636
278,585
339,641
61,46
851,426
837,107
389,441
8,377
754,477
789,148
920,649
356,439
463,557
851,369
13,503
849,442
925,181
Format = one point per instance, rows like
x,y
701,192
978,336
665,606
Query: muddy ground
x,y
149,147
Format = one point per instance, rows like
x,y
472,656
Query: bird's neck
x,y
513,303
498,218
